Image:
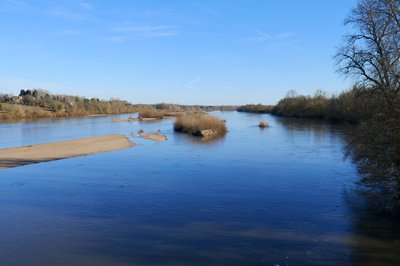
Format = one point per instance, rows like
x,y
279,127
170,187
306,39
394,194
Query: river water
x,y
279,196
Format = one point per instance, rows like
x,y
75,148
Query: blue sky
x,y
179,51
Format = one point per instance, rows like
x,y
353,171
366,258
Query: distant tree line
x,y
45,104
255,108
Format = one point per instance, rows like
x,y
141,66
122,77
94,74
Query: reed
x,y
194,123
151,113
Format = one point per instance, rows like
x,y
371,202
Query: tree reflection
x,y
374,146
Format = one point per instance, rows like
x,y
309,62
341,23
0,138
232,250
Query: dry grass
x,y
193,123
16,111
263,124
151,113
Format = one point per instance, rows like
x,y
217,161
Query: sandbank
x,y
13,157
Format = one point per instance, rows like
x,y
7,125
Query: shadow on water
x,y
375,237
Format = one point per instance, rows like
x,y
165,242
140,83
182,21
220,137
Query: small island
x,y
200,124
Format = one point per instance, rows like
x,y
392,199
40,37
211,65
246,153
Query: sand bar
x,y
13,157
153,136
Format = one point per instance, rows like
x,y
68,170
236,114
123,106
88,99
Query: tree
x,y
372,53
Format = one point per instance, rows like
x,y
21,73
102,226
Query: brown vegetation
x,y
40,104
255,108
350,106
263,124
195,123
151,113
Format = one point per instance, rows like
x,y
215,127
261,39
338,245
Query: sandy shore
x,y
61,150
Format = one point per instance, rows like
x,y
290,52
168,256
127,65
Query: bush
x,y
194,123
151,113
263,124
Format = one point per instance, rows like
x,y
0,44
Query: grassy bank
x,y
195,123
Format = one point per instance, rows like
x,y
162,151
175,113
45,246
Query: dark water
x,y
279,196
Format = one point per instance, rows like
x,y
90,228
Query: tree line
x,y
40,103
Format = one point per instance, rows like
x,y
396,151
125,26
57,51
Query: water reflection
x,y
376,235
182,139
253,197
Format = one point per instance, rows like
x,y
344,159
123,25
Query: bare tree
x,y
372,53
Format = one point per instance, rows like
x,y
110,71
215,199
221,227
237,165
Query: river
x,y
277,196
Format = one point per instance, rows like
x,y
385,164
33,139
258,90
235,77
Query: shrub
x,y
151,113
263,124
194,123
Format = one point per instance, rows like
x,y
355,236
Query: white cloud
x,y
115,39
287,35
67,14
86,6
204,9
267,38
147,31
194,81
262,34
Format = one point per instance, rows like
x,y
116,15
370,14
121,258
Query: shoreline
x,y
20,156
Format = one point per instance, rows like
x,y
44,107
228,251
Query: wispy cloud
x,y
68,32
115,39
14,5
287,35
86,6
261,36
67,14
13,2
203,9
147,31
194,81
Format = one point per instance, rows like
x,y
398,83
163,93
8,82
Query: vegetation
x,y
349,106
263,124
255,108
193,108
151,113
371,55
40,103
194,123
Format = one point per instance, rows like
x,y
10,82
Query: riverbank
x,y
13,157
